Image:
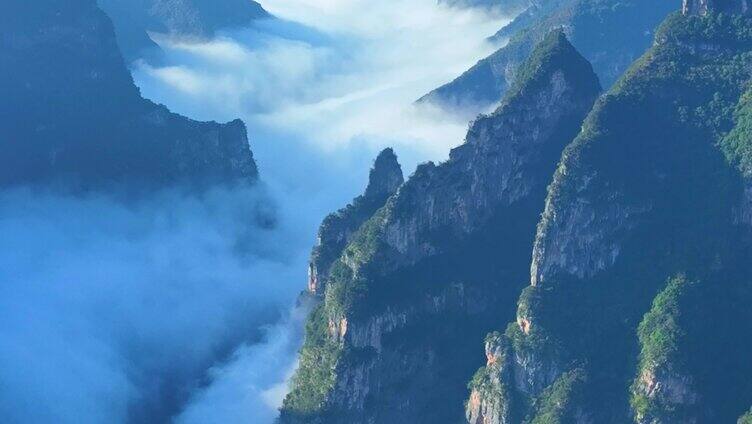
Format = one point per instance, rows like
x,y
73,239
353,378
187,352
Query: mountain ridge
x,y
642,196
434,233
85,123
588,23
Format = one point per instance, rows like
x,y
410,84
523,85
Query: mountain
x,y
71,111
610,34
441,262
338,228
134,19
638,271
637,308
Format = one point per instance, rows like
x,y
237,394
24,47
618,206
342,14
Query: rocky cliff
x,y
589,24
649,191
338,228
83,121
664,390
441,262
134,19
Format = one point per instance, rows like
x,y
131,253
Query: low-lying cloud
x,y
179,307
112,311
241,389
331,74
322,89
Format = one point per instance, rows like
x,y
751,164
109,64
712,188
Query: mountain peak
x,y
386,175
338,228
703,7
555,54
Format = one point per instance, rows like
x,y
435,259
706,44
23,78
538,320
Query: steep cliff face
x,y
338,228
83,120
689,322
650,188
589,24
591,210
489,391
440,263
664,390
134,19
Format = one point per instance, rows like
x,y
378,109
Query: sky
x,y
182,308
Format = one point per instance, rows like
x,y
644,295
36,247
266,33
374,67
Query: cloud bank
x,y
241,391
322,89
331,73
178,308
112,311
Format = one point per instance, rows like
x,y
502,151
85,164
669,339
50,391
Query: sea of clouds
x,y
330,74
181,307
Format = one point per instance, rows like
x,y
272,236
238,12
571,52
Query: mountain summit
x,y
640,270
433,254
338,228
613,233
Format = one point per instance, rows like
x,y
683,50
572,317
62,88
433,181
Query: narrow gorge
x,y
356,212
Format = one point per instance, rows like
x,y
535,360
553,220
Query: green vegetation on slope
x,y
489,382
316,371
321,353
737,145
559,402
661,334
650,156
351,292
338,228
553,54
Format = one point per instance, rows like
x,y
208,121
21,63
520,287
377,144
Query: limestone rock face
x,y
385,177
440,262
499,165
84,122
586,240
489,400
620,214
672,391
337,229
664,389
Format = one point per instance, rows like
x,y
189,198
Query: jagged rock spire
x,y
386,175
337,229
703,7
